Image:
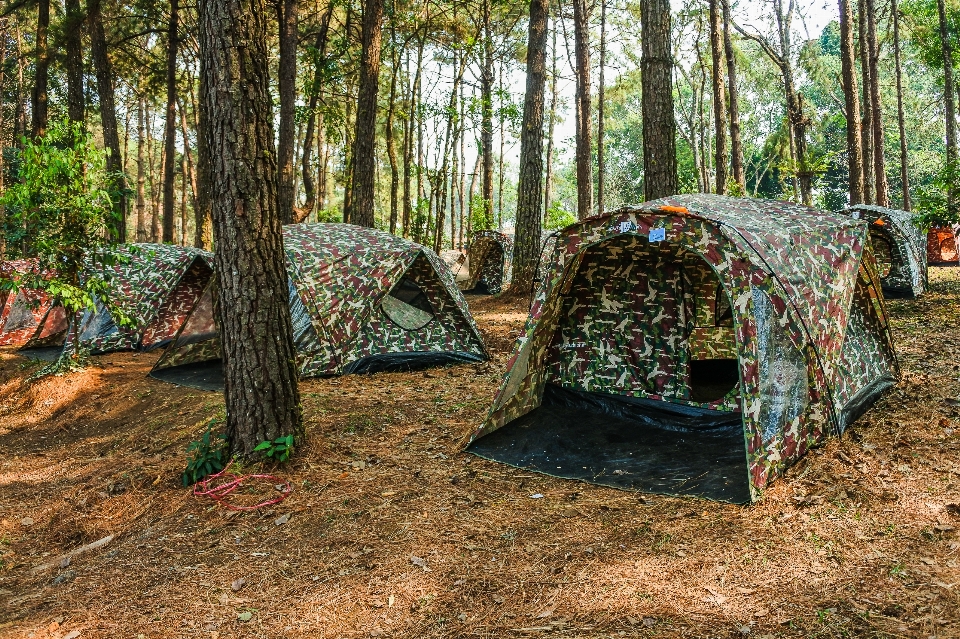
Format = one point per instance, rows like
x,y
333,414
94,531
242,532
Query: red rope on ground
x,y
219,492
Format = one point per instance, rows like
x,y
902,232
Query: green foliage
x,y
278,450
931,199
207,456
480,221
558,216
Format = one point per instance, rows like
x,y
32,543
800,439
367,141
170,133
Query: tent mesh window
x,y
407,306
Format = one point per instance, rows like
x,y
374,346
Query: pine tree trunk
x,y
526,248
950,109
851,94
259,360
866,135
38,123
364,142
551,125
316,89
601,168
500,172
108,112
901,121
189,173
719,96
73,60
486,113
141,173
659,125
733,92
389,133
881,188
202,214
584,164
170,124
287,89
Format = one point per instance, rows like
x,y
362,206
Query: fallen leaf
x,y
943,528
546,612
928,561
245,616
417,561
649,622
73,634
238,584
390,601
281,520
388,493
763,612
536,496
497,599
27,521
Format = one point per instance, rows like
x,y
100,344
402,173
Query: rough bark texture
x,y
901,120
552,123
259,361
38,117
719,103
364,140
170,125
581,38
390,137
73,60
949,105
202,214
309,190
851,94
733,92
287,85
141,174
866,135
486,119
881,189
108,113
526,246
659,125
601,167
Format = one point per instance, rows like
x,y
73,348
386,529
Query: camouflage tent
x,y
899,247
361,301
490,258
942,246
696,345
23,311
153,286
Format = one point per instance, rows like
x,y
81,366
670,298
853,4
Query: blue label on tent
x,y
658,235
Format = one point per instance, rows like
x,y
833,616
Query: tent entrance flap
x,y
627,443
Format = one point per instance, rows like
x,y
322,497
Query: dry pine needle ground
x,y
391,531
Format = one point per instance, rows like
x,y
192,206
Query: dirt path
x,y
393,532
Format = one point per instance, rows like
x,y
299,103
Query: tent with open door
x,y
942,245
899,247
695,345
150,290
361,301
490,260
24,310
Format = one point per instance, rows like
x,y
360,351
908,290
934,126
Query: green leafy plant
x,y
207,456
278,450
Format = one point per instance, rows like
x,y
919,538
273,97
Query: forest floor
x,y
392,531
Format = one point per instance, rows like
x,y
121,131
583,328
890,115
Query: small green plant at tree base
x,y
278,450
207,456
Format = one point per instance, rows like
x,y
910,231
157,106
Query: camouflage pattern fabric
x,y
152,289
636,295
490,257
21,312
942,246
340,275
899,246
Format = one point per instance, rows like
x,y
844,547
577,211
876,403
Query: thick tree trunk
x,y
202,213
733,92
526,248
486,123
950,109
901,120
866,135
581,38
881,188
287,88
108,113
364,143
719,96
141,173
659,125
170,124
259,360
601,168
38,122
851,94
73,60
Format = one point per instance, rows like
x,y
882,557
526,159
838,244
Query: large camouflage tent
x,y
24,310
899,247
361,301
942,245
697,345
150,290
490,259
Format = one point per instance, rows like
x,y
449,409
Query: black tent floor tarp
x,y
625,443
206,376
45,353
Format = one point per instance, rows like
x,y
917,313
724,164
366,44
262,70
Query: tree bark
x,y
949,105
364,142
881,188
901,120
551,125
389,133
526,247
256,335
659,125
316,88
170,125
581,38
486,118
851,94
189,177
141,173
108,114
719,96
601,167
202,213
73,60
287,88
733,92
38,117
867,122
